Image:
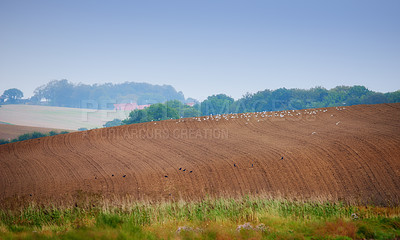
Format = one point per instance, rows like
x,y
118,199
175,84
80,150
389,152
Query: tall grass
x,y
281,218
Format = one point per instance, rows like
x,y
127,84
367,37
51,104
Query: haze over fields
x,y
58,117
201,47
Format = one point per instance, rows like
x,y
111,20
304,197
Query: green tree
x,y
393,97
155,112
159,111
182,109
53,133
136,116
374,98
216,104
13,95
188,111
28,136
113,123
281,99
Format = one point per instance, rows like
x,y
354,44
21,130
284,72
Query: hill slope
x,y
58,117
8,131
350,153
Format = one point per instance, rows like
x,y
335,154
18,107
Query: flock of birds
x,y
259,116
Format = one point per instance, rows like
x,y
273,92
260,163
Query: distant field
x,y
57,117
9,132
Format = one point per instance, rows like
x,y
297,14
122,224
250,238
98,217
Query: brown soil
x,y
9,132
349,154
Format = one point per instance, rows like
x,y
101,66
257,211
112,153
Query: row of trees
x,y
33,135
62,93
267,100
285,99
173,109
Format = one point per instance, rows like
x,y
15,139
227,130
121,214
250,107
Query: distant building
x,y
190,104
130,106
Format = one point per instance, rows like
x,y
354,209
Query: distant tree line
x,y
173,109
267,100
166,103
33,135
63,93
292,99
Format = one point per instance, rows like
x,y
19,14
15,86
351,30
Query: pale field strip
x,y
58,117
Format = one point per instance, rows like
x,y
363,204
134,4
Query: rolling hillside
x,y
345,153
58,117
9,132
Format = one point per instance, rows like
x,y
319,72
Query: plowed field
x,y
8,132
345,153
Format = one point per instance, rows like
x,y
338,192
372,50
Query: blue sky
x,y
201,47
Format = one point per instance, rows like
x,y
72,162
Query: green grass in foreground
x,y
208,219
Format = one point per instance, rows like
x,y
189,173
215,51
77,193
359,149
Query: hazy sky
x,y
201,47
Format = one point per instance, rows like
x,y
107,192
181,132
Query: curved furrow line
x,y
321,179
210,149
193,181
101,149
24,172
51,149
140,166
194,157
93,157
89,164
206,151
113,163
197,153
352,159
372,177
340,172
146,160
257,179
96,152
380,154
